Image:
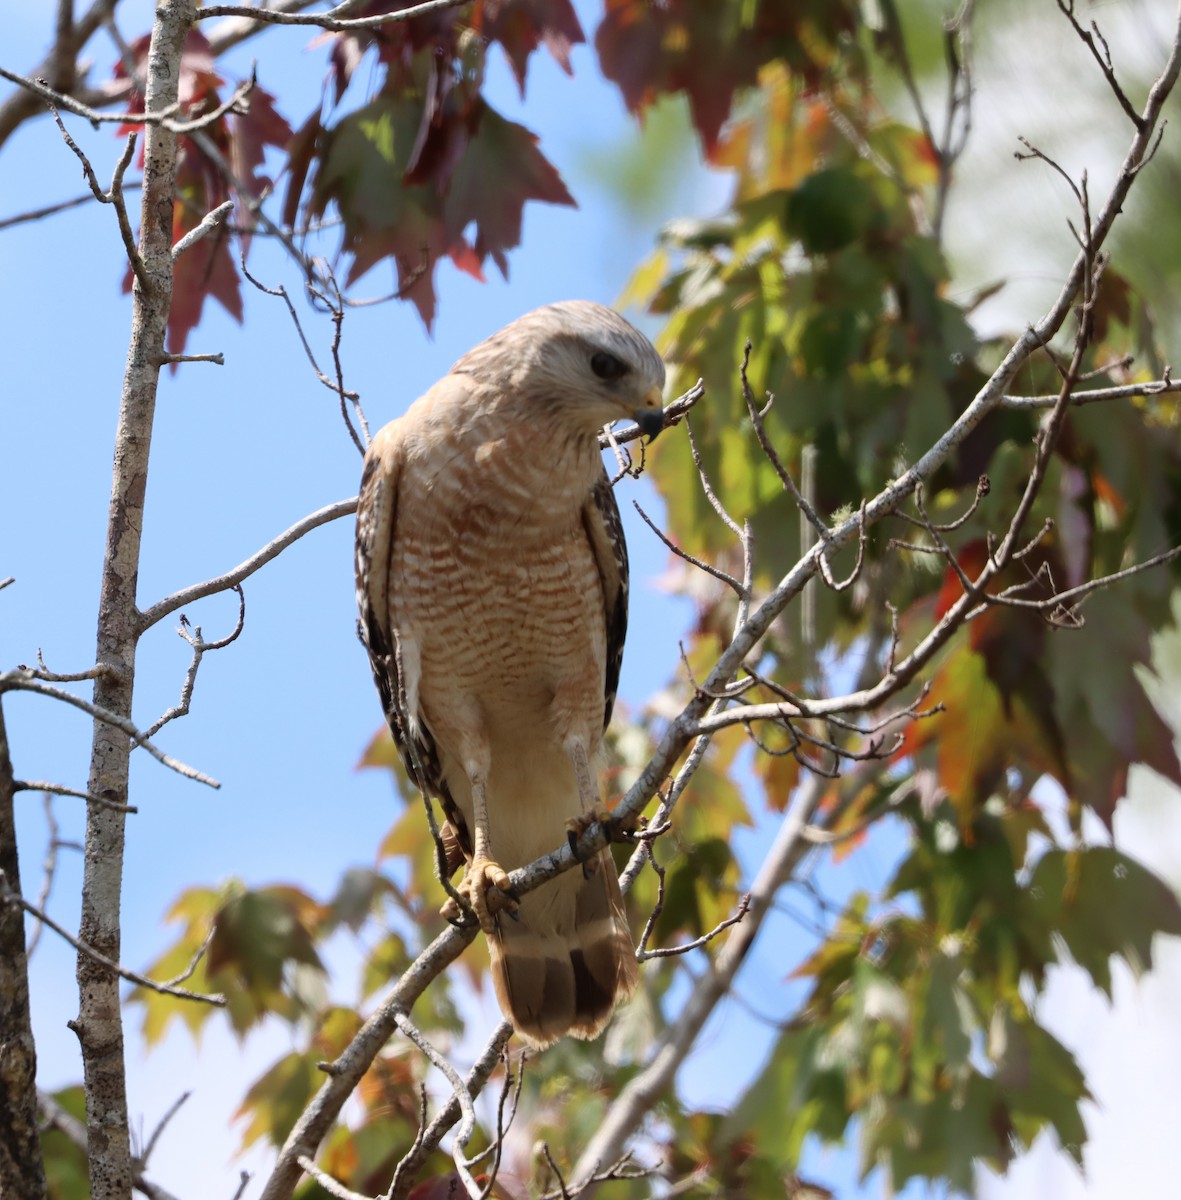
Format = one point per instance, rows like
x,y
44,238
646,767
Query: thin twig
x,y
161,1125
706,485
44,673
8,896
826,570
281,292
39,785
207,225
200,646
657,908
21,681
697,943
48,870
680,552
772,455
429,1138
195,961
1156,387
223,583
113,196
325,20
206,120
217,359
335,304
1103,58
50,210
673,415
332,1186
467,1124
983,488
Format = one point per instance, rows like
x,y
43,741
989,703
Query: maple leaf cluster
x,y
710,51
424,168
239,139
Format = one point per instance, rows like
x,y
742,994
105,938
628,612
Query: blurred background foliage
x,y
847,254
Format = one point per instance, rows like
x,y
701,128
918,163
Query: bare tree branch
x,y
49,210
59,66
208,224
637,1098
56,789
276,16
430,1137
1097,44
332,1186
467,1124
113,195
48,869
223,583
200,646
1156,387
161,1125
22,681
12,898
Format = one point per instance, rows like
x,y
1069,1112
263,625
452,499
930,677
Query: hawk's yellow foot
x,y
485,887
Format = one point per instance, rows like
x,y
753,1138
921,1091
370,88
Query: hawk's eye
x,y
607,367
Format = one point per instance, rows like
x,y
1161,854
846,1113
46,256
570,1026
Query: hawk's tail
x,y
561,968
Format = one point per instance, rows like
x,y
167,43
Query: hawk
x,y
492,583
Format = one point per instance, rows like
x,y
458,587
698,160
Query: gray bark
x,y
99,1024
22,1169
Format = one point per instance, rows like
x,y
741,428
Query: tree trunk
x,y
99,1025
22,1169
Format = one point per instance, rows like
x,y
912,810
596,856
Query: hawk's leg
x,y
485,884
593,809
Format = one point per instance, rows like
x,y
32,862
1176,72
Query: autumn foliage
x,y
820,310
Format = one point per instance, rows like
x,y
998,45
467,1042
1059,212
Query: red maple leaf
x,y
520,26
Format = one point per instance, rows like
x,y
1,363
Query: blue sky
x,y
240,453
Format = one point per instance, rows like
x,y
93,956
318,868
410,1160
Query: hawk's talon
x,y
616,829
577,826
460,916
485,887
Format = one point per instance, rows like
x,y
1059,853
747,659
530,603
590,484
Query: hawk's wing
x,y
376,519
604,530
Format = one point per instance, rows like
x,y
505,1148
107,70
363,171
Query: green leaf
x,y
1040,1080
274,1103
258,933
794,1095
941,1140
67,1168
359,895
500,170
386,961
1103,904
830,209
947,1024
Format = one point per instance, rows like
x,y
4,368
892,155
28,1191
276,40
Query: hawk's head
x,y
577,360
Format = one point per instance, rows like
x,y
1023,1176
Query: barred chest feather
x,y
503,523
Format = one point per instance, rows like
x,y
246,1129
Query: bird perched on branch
x,y
492,582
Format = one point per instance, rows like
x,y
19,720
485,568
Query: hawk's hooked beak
x,y
650,416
